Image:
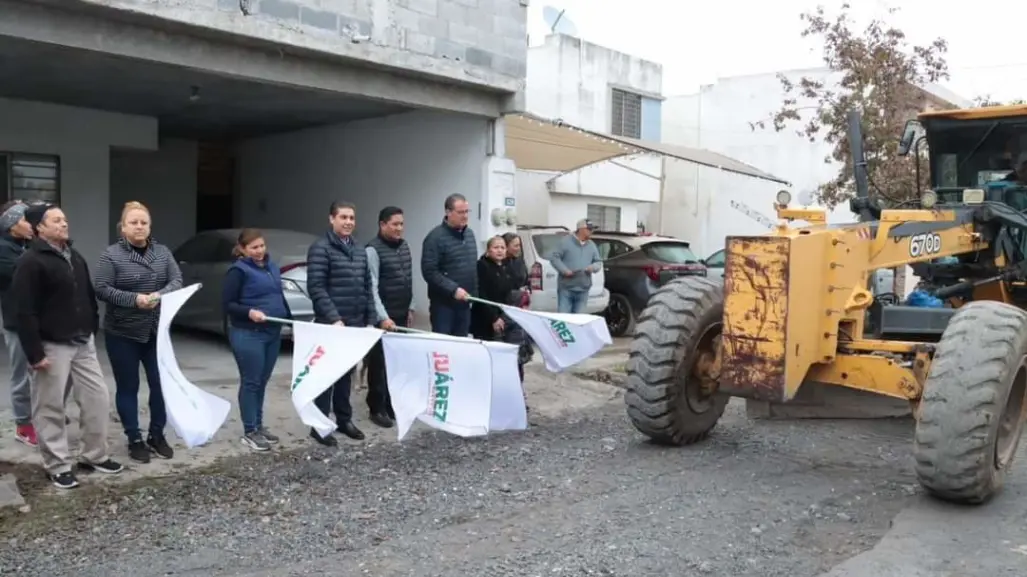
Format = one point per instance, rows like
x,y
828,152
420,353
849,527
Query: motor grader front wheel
x,y
675,361
974,403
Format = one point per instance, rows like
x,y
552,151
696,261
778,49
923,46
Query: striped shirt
x,y
122,274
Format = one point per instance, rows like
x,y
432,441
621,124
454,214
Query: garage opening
x,y
207,152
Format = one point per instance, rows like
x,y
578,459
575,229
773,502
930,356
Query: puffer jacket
x,y
449,261
339,281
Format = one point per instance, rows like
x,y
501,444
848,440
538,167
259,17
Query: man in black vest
x,y
392,281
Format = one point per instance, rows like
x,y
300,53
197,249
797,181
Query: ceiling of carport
x,y
225,108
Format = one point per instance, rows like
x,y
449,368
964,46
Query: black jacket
x,y
339,282
448,260
495,284
10,249
55,298
518,271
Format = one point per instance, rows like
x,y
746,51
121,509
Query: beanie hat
x,y
34,214
12,216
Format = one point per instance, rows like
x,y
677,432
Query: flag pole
x,y
279,321
484,302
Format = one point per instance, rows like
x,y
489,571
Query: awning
x,y
536,143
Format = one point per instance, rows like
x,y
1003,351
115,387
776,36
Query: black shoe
x,y
139,451
160,446
328,441
351,431
109,467
271,439
64,480
382,420
392,414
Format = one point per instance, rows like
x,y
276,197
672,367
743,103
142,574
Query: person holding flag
x,y
392,283
339,283
448,258
253,292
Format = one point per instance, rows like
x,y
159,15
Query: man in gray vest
x,y
392,284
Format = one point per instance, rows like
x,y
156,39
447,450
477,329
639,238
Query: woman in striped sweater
x,y
131,276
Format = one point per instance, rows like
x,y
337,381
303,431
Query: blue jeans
x,y
256,352
21,384
450,319
571,300
125,356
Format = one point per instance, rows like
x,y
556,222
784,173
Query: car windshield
x,y
671,252
546,243
974,153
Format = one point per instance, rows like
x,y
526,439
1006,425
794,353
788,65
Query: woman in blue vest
x,y
252,293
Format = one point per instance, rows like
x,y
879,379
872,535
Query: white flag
x,y
195,414
458,385
320,355
563,339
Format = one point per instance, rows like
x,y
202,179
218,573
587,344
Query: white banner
x,y
195,414
563,339
458,385
320,355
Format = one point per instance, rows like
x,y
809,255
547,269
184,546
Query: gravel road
x,y
582,495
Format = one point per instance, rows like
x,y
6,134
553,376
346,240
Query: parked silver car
x,y
205,258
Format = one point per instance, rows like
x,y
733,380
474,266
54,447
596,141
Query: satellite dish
x,y
558,21
805,198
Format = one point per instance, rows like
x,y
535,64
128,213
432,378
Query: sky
x,y
699,42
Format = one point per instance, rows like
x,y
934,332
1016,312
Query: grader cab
x,y
797,306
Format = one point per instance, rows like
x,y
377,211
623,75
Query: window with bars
x,y
626,114
30,176
604,217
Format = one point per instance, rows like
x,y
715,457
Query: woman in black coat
x,y
494,284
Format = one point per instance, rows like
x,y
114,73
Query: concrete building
x,y
222,113
604,91
704,205
604,96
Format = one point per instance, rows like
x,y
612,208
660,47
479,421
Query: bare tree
x,y
986,100
878,73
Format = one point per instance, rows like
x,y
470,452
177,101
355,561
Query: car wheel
x,y
620,318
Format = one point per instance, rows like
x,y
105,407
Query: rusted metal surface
x,y
756,278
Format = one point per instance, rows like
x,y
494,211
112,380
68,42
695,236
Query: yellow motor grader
x,y
798,305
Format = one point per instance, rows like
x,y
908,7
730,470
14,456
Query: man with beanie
x,y
15,232
57,319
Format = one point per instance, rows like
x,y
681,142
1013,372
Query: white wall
x,y
566,210
411,160
571,79
163,180
611,180
703,205
82,138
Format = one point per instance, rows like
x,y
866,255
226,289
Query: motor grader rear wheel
x,y
974,403
674,363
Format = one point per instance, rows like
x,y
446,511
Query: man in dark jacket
x,y
339,283
392,283
15,232
57,320
449,265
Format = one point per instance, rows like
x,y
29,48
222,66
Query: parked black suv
x,y
636,265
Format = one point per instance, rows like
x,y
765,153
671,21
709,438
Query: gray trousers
x,y
21,381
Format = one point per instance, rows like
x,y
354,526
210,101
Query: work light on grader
x,y
797,306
